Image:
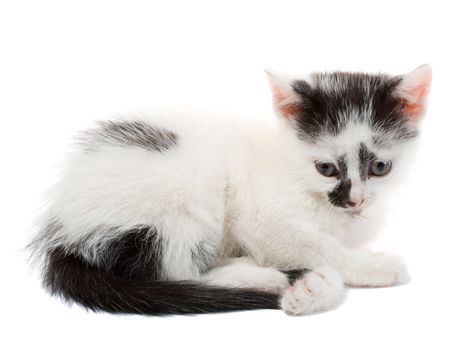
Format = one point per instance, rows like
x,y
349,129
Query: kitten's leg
x,y
368,269
244,272
318,290
309,250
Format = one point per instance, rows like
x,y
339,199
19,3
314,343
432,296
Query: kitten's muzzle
x,y
355,203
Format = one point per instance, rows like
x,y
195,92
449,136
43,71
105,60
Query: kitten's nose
x,y
355,202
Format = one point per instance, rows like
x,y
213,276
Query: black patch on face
x,y
341,194
342,165
129,134
365,157
124,279
322,107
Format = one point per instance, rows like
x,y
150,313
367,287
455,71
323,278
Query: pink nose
x,y
355,202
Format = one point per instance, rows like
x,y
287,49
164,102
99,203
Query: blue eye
x,y
380,167
326,169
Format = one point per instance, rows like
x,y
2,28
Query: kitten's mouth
x,y
354,212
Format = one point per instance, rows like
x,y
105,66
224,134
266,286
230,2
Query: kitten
x,y
157,216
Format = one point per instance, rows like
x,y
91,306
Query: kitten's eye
x,y
380,167
326,169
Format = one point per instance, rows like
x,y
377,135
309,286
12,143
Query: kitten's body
x,y
222,206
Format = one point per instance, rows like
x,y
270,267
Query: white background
x,y
64,64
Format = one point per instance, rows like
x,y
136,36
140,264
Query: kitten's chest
x,y
334,224
311,210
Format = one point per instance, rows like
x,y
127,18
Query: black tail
x,y
71,277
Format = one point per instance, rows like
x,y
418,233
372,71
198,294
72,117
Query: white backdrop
x,y
64,64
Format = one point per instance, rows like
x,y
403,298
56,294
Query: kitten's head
x,y
349,132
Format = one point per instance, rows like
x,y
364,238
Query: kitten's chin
x,y
354,212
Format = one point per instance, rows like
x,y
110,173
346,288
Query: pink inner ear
x,y
418,93
414,90
278,93
289,110
413,109
415,102
283,99
286,109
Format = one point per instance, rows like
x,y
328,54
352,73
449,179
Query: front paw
x,y
319,290
376,270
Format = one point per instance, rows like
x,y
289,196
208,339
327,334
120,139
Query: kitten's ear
x,y
285,100
413,91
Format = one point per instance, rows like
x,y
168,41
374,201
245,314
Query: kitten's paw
x,y
320,290
378,270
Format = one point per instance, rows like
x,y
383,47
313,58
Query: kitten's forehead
x,y
330,103
348,143
349,138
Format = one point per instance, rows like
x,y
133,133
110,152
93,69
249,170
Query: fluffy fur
x,y
160,215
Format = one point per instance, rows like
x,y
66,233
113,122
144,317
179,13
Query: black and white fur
x,y
177,215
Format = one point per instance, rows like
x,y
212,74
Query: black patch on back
x,y
128,134
334,95
137,254
365,157
341,193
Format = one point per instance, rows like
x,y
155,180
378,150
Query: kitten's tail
x,y
75,280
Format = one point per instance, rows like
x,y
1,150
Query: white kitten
x,y
158,215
